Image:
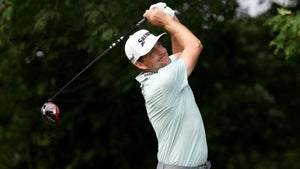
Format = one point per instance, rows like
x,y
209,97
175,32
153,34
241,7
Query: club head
x,y
50,113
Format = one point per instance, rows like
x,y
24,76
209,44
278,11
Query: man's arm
x,y
185,42
176,48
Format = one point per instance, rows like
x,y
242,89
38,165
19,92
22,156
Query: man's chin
x,y
165,63
165,60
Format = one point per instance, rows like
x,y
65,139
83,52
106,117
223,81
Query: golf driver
x,y
50,111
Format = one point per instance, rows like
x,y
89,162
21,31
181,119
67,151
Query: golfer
x,y
169,100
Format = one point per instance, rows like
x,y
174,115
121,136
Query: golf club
x,y
50,111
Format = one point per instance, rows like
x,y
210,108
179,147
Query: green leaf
x,y
283,11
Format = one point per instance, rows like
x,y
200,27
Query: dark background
x,y
248,96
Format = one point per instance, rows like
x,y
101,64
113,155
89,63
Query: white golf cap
x,y
139,44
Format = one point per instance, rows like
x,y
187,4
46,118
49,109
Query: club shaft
x,y
139,24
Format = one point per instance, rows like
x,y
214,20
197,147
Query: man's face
x,y
157,58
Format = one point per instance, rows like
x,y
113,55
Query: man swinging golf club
x,y
169,100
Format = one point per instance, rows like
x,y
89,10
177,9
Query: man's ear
x,y
140,65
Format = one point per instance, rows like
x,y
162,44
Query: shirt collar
x,y
144,76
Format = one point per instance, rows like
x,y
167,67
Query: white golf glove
x,y
163,6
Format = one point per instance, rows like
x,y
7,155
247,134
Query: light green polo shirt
x,y
174,115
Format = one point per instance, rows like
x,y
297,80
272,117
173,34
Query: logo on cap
x,y
132,58
143,38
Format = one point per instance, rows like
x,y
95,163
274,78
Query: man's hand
x,y
163,7
157,17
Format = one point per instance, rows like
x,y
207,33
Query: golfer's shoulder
x,y
176,66
170,73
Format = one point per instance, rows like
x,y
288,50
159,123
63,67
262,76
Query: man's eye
x,y
151,51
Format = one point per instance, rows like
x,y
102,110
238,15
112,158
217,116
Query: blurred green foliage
x,y
248,98
286,26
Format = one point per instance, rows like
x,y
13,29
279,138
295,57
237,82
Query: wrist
x,y
169,24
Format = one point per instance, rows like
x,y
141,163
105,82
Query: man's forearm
x,y
176,48
185,42
182,37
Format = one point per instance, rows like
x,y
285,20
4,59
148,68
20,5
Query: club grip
x,y
141,22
